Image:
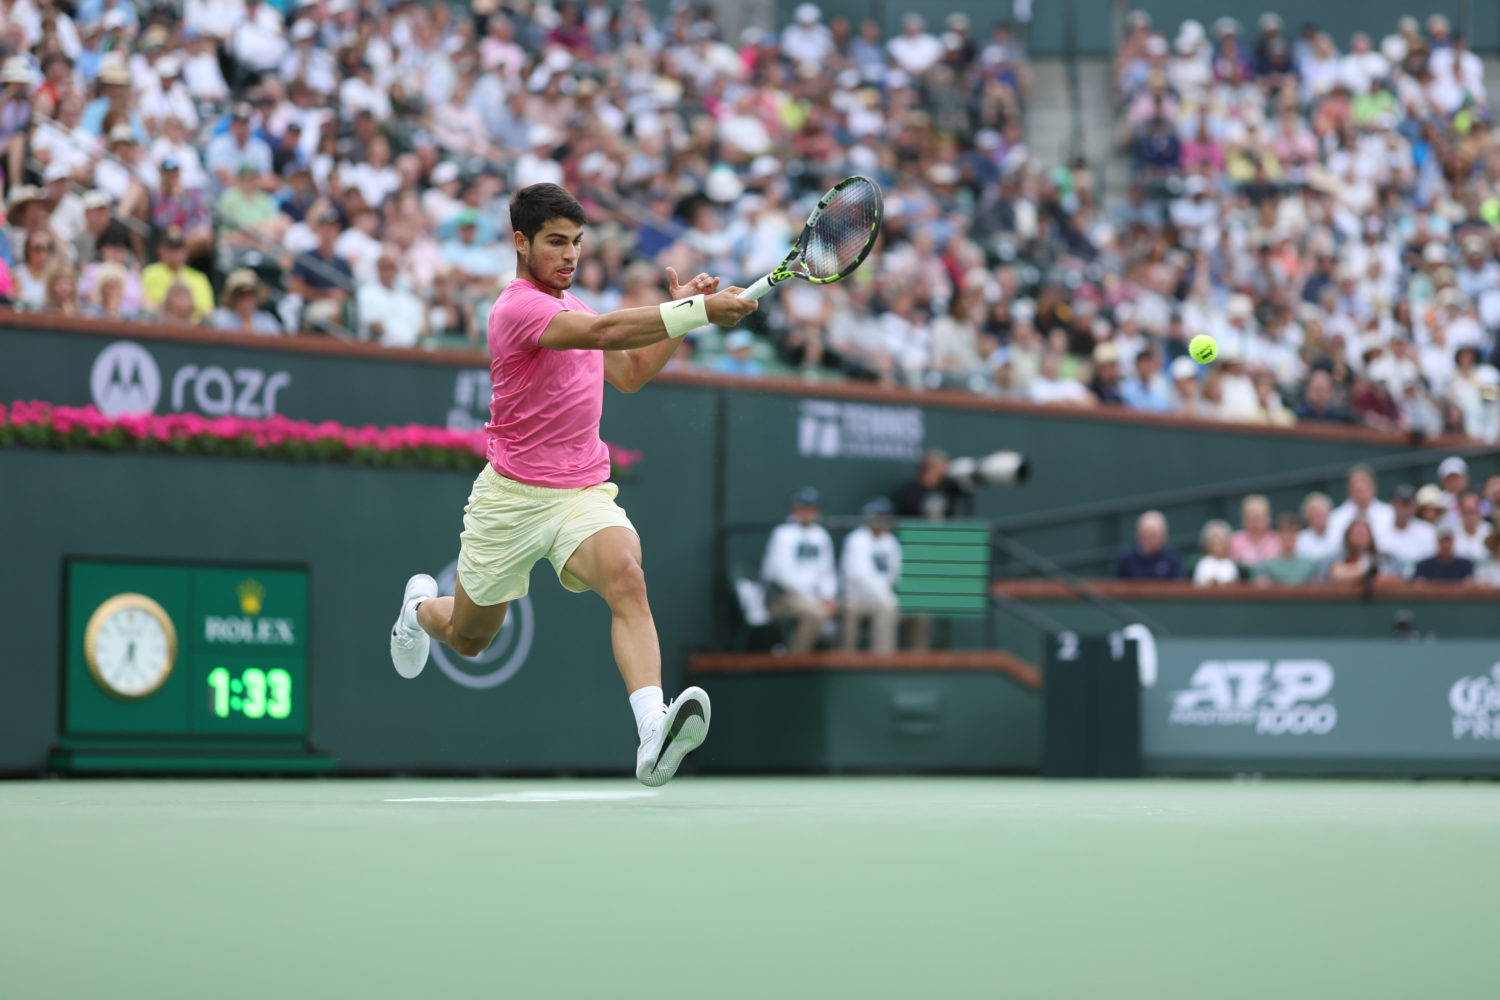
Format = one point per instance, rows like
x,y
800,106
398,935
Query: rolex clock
x,y
130,645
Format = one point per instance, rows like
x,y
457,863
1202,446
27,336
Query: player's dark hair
x,y
531,208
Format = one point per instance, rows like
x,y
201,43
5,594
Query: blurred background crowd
x,y
1443,532
1330,214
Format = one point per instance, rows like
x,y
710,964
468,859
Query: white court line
x,y
541,797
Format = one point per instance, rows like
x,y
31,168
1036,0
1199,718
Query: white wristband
x,y
684,315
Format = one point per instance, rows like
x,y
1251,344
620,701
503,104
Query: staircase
x,y
1050,126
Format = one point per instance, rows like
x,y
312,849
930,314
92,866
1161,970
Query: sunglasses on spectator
x,y
41,247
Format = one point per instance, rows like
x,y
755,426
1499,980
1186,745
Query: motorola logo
x,y
506,655
125,379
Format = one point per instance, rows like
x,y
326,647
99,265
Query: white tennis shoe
x,y
409,644
674,735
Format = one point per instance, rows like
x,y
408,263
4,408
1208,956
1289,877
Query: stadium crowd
x,y
344,166
1446,532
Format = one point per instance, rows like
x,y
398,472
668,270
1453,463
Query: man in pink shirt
x,y
544,493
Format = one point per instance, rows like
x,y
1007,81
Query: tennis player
x,y
544,491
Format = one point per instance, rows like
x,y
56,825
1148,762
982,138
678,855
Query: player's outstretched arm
x,y
625,329
629,370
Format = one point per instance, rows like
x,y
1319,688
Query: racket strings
x,y
839,236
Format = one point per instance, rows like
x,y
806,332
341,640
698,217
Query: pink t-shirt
x,y
544,417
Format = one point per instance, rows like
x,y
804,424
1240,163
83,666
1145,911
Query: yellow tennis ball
x,y
1203,348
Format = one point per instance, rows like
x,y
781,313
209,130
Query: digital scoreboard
x,y
185,667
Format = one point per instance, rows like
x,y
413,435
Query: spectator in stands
x,y
1254,542
1318,403
177,307
1453,477
1362,504
322,278
1487,573
1151,557
171,269
1148,389
1288,568
30,275
1470,529
388,312
447,317
1446,566
108,298
1317,541
870,566
1105,385
737,360
1215,568
1408,539
798,571
1432,506
175,205
62,289
1050,386
241,312
1359,559
933,493
236,148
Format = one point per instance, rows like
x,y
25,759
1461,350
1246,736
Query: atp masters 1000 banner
x,y
1310,705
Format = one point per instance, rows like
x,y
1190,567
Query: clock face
x,y
130,645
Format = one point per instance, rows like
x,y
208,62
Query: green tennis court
x,y
843,887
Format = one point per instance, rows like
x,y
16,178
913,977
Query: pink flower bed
x,y
42,425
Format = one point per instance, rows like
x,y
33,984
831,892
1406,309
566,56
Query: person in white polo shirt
x,y
1470,529
870,566
798,571
1317,541
1362,504
1408,539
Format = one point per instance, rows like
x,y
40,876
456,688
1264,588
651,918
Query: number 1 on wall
x,y
218,679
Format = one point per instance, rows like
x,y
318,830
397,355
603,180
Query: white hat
x,y
1452,465
115,19
739,340
541,134
808,13
445,172
1240,307
1195,184
17,69
57,170
1183,368
168,66
96,199
304,29
722,185
1435,253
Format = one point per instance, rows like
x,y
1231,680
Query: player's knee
x,y
466,645
627,586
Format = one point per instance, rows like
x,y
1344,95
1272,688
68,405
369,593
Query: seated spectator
x,y
107,300
1049,387
182,207
1151,557
322,278
1446,566
477,267
247,214
172,268
1318,403
241,312
389,312
1317,541
62,290
447,317
1254,541
114,248
1359,559
30,275
1408,539
1215,568
1487,573
1148,388
1288,568
1105,385
227,153
1362,504
178,307
870,566
1470,529
1432,505
798,571
737,359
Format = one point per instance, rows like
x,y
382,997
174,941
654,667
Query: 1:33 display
x,y
255,693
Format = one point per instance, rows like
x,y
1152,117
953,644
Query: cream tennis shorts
x,y
509,526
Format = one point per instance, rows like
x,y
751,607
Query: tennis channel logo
x,y
859,430
125,378
1476,706
1284,697
505,656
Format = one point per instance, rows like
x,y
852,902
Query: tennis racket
x,y
836,239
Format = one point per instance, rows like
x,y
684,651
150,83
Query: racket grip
x,y
758,289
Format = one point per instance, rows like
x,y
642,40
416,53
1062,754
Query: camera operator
x,y
933,493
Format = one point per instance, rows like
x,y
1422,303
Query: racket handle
x,y
758,289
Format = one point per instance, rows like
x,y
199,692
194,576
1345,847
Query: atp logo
x,y
125,379
1284,698
509,650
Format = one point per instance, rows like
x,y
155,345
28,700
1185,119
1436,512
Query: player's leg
x,y
467,628
608,561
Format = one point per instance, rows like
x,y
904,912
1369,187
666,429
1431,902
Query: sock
x,y
409,616
647,704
